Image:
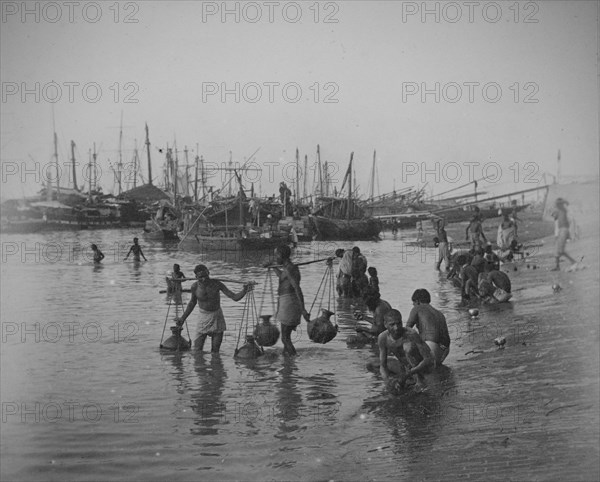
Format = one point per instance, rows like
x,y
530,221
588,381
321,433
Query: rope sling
x,y
178,305
321,329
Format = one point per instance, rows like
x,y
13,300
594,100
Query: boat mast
x,y
372,187
73,165
305,175
319,168
148,152
196,161
56,164
120,165
349,187
135,164
297,177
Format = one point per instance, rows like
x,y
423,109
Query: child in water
x,y
373,280
98,255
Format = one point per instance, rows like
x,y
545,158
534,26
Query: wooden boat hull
x,y
218,243
345,230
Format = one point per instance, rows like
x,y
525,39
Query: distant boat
x,y
342,218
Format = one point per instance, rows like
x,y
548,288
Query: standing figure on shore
x,y
136,249
408,347
431,324
442,240
98,255
476,229
506,233
562,223
344,277
206,293
290,299
359,269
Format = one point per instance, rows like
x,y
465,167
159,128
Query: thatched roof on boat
x,y
145,193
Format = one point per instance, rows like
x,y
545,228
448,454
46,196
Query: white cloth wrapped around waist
x,y
289,309
210,322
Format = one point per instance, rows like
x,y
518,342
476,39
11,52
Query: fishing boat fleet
x,y
232,217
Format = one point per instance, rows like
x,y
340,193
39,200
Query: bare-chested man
x,y
379,308
206,293
431,324
136,249
410,349
476,229
494,287
290,301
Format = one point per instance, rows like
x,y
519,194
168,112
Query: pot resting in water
x,y
250,349
176,342
321,329
266,333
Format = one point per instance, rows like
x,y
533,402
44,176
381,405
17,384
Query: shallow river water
x,y
88,395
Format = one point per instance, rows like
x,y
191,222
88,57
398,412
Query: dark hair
x,y
371,298
461,259
200,267
135,239
176,266
339,252
94,246
393,314
284,250
422,296
372,271
356,249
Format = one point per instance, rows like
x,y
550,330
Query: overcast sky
x,y
507,84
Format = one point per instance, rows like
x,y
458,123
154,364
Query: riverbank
x,y
529,409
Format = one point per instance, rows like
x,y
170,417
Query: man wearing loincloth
x,y
408,347
431,324
562,222
476,229
442,243
290,301
206,293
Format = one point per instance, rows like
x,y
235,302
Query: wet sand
x,y
529,410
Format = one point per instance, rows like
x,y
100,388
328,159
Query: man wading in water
x,y
206,293
136,249
290,301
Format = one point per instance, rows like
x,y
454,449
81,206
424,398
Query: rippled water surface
x,y
88,395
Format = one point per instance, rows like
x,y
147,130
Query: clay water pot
x,y
321,329
249,350
266,333
176,342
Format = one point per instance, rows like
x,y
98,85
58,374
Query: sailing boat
x,y
342,218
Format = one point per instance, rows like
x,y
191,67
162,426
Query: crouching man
x,y
408,347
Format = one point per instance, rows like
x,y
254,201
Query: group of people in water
x,y
420,344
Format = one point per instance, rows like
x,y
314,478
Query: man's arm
x,y
231,294
413,317
425,352
383,368
142,253
190,306
467,231
101,255
128,253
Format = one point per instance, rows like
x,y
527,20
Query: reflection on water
x,y
89,334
